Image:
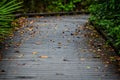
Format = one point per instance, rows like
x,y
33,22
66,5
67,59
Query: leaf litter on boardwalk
x,y
100,48
43,56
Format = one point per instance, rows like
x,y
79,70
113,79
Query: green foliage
x,y
6,16
63,5
106,15
33,6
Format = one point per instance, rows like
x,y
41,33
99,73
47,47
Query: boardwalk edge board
x,y
49,14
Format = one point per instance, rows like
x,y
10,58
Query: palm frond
x,y
6,15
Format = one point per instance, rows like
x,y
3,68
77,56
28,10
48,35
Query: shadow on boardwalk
x,y
57,48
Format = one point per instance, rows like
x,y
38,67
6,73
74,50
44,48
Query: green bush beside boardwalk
x,y
105,14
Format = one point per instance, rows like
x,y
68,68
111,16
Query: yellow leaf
x,y
34,53
82,59
31,22
43,56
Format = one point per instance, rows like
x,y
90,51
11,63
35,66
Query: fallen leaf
x,y
20,55
112,58
52,40
74,34
56,27
65,60
107,62
88,67
66,29
106,65
99,50
34,53
37,43
17,51
59,44
31,22
30,29
94,51
2,70
97,56
68,40
59,74
118,69
58,47
118,58
65,46
43,56
82,59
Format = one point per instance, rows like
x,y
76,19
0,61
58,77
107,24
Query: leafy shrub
x,y
6,16
63,5
105,14
55,5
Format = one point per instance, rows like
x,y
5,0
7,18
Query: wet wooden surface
x,y
49,48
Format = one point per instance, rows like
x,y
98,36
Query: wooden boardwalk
x,y
50,48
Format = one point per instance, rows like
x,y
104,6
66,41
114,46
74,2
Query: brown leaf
x,y
30,29
17,51
37,43
59,44
34,53
2,70
43,56
31,22
82,59
99,50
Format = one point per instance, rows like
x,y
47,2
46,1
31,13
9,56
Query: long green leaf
x,y
8,4
3,2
